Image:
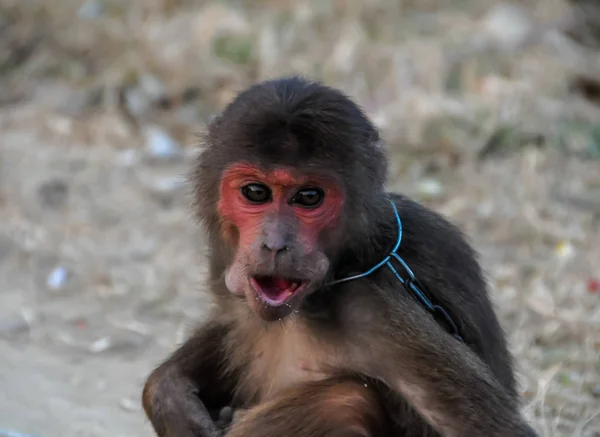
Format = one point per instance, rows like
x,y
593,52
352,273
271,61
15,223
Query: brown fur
x,y
352,409
280,355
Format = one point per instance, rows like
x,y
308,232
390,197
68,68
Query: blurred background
x,y
490,110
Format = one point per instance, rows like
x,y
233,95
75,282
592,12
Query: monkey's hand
x,y
227,416
175,394
441,377
174,409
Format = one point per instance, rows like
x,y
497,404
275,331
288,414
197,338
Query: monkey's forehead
x,y
282,176
296,123
295,138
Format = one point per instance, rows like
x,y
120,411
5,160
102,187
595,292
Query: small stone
x,y
100,345
165,189
13,325
485,208
168,184
564,249
142,247
122,342
127,158
91,10
595,390
57,279
53,194
152,87
160,144
507,24
9,433
128,405
431,188
137,102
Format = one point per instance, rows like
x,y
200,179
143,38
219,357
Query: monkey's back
x,y
443,259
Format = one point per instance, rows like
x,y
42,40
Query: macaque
x,y
341,309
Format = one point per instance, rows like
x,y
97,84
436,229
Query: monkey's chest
x,y
280,362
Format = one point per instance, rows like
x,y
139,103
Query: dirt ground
x,y
101,262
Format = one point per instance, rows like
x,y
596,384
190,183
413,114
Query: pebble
x,y
564,249
507,24
57,279
26,235
137,102
164,189
127,158
168,184
431,188
595,390
152,87
119,343
13,325
128,405
160,144
91,9
10,433
100,345
53,194
142,247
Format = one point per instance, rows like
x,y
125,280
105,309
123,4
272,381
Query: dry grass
x,y
443,85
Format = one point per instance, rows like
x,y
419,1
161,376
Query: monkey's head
x,y
292,172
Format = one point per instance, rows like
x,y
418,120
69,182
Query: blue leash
x,y
410,282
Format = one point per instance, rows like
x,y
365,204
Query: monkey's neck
x,y
369,248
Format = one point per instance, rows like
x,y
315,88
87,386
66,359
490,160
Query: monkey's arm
x,y
446,383
179,393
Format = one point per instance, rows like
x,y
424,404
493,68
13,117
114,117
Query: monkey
x,y
341,309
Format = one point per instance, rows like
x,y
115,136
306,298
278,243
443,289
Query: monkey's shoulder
x,y
430,238
421,220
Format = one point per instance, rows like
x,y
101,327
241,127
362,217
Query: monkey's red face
x,y
276,221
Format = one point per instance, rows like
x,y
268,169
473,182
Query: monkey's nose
x,y
275,248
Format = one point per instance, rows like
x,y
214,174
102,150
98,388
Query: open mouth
x,y
276,290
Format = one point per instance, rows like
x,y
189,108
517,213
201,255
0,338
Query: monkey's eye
x,y
256,193
309,197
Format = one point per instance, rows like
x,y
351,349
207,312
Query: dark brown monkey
x,y
320,327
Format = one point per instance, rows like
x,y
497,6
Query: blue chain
x,y
410,282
